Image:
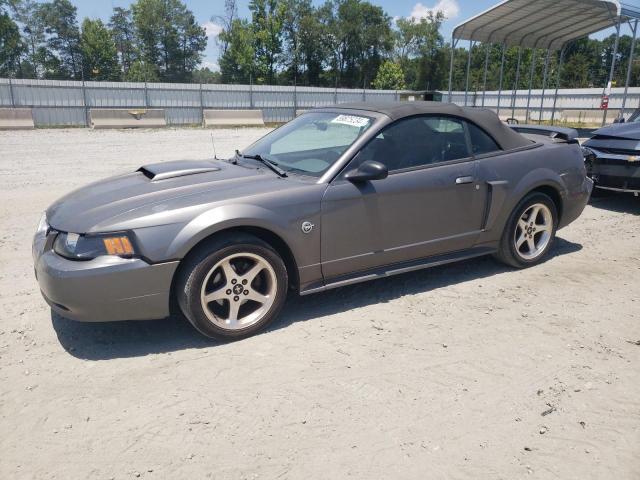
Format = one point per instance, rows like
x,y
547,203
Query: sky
x,y
456,12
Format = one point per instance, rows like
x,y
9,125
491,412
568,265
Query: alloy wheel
x,y
238,291
533,231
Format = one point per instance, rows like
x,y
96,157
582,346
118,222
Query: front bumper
x,y
615,172
103,289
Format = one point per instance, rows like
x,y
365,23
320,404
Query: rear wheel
x,y
530,231
233,287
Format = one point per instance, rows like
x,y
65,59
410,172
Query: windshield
x,y
311,143
635,118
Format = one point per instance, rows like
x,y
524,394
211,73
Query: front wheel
x,y
233,287
530,231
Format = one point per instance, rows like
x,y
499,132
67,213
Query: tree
x,y
226,21
267,21
192,40
99,54
295,13
358,36
123,33
63,39
419,50
205,75
27,15
169,37
313,49
140,71
236,64
11,46
390,77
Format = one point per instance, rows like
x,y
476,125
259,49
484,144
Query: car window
x,y
311,143
481,142
417,141
317,135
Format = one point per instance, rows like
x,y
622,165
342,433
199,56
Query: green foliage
x,y
124,36
205,75
358,35
62,39
10,45
419,47
390,77
99,55
169,37
158,39
236,64
267,19
140,71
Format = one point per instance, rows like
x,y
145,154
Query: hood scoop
x,y
181,168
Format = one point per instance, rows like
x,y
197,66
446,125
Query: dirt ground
x,y
467,371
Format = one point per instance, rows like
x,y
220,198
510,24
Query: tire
x,y
516,243
239,306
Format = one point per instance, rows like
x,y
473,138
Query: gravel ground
x,y
467,371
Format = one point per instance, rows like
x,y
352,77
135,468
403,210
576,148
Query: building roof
x,y
547,24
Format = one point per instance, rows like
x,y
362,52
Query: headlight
x,y
43,226
588,154
87,247
589,158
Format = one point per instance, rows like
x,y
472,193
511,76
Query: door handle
x,y
463,180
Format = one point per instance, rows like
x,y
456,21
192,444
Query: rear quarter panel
x,y
510,176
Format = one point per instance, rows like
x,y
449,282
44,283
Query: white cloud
x,y
212,29
449,8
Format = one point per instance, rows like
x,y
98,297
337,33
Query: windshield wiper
x,y
270,164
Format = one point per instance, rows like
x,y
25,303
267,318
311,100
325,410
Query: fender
x,y
223,218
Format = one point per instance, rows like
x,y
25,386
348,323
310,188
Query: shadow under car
x,y
107,340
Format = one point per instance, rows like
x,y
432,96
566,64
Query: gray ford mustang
x,y
337,196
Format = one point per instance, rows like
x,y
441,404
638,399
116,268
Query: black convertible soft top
x,y
484,118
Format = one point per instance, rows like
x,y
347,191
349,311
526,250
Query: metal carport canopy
x,y
546,24
543,24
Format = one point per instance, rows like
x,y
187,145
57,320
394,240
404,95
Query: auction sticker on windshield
x,y
352,120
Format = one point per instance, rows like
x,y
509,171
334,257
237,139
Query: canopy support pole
x,y
544,84
504,49
555,96
607,87
629,68
515,85
484,78
466,85
453,48
533,67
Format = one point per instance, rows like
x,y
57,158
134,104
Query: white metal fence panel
x,y
57,102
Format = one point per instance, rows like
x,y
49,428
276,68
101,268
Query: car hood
x,y
622,130
158,188
622,139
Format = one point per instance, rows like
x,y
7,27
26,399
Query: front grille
x,y
623,183
616,161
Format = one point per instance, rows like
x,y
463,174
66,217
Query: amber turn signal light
x,y
118,245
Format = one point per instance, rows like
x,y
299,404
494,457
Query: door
x,y
429,204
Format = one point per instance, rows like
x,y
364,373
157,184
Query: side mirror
x,y
369,170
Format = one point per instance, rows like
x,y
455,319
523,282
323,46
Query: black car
x,y
613,156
